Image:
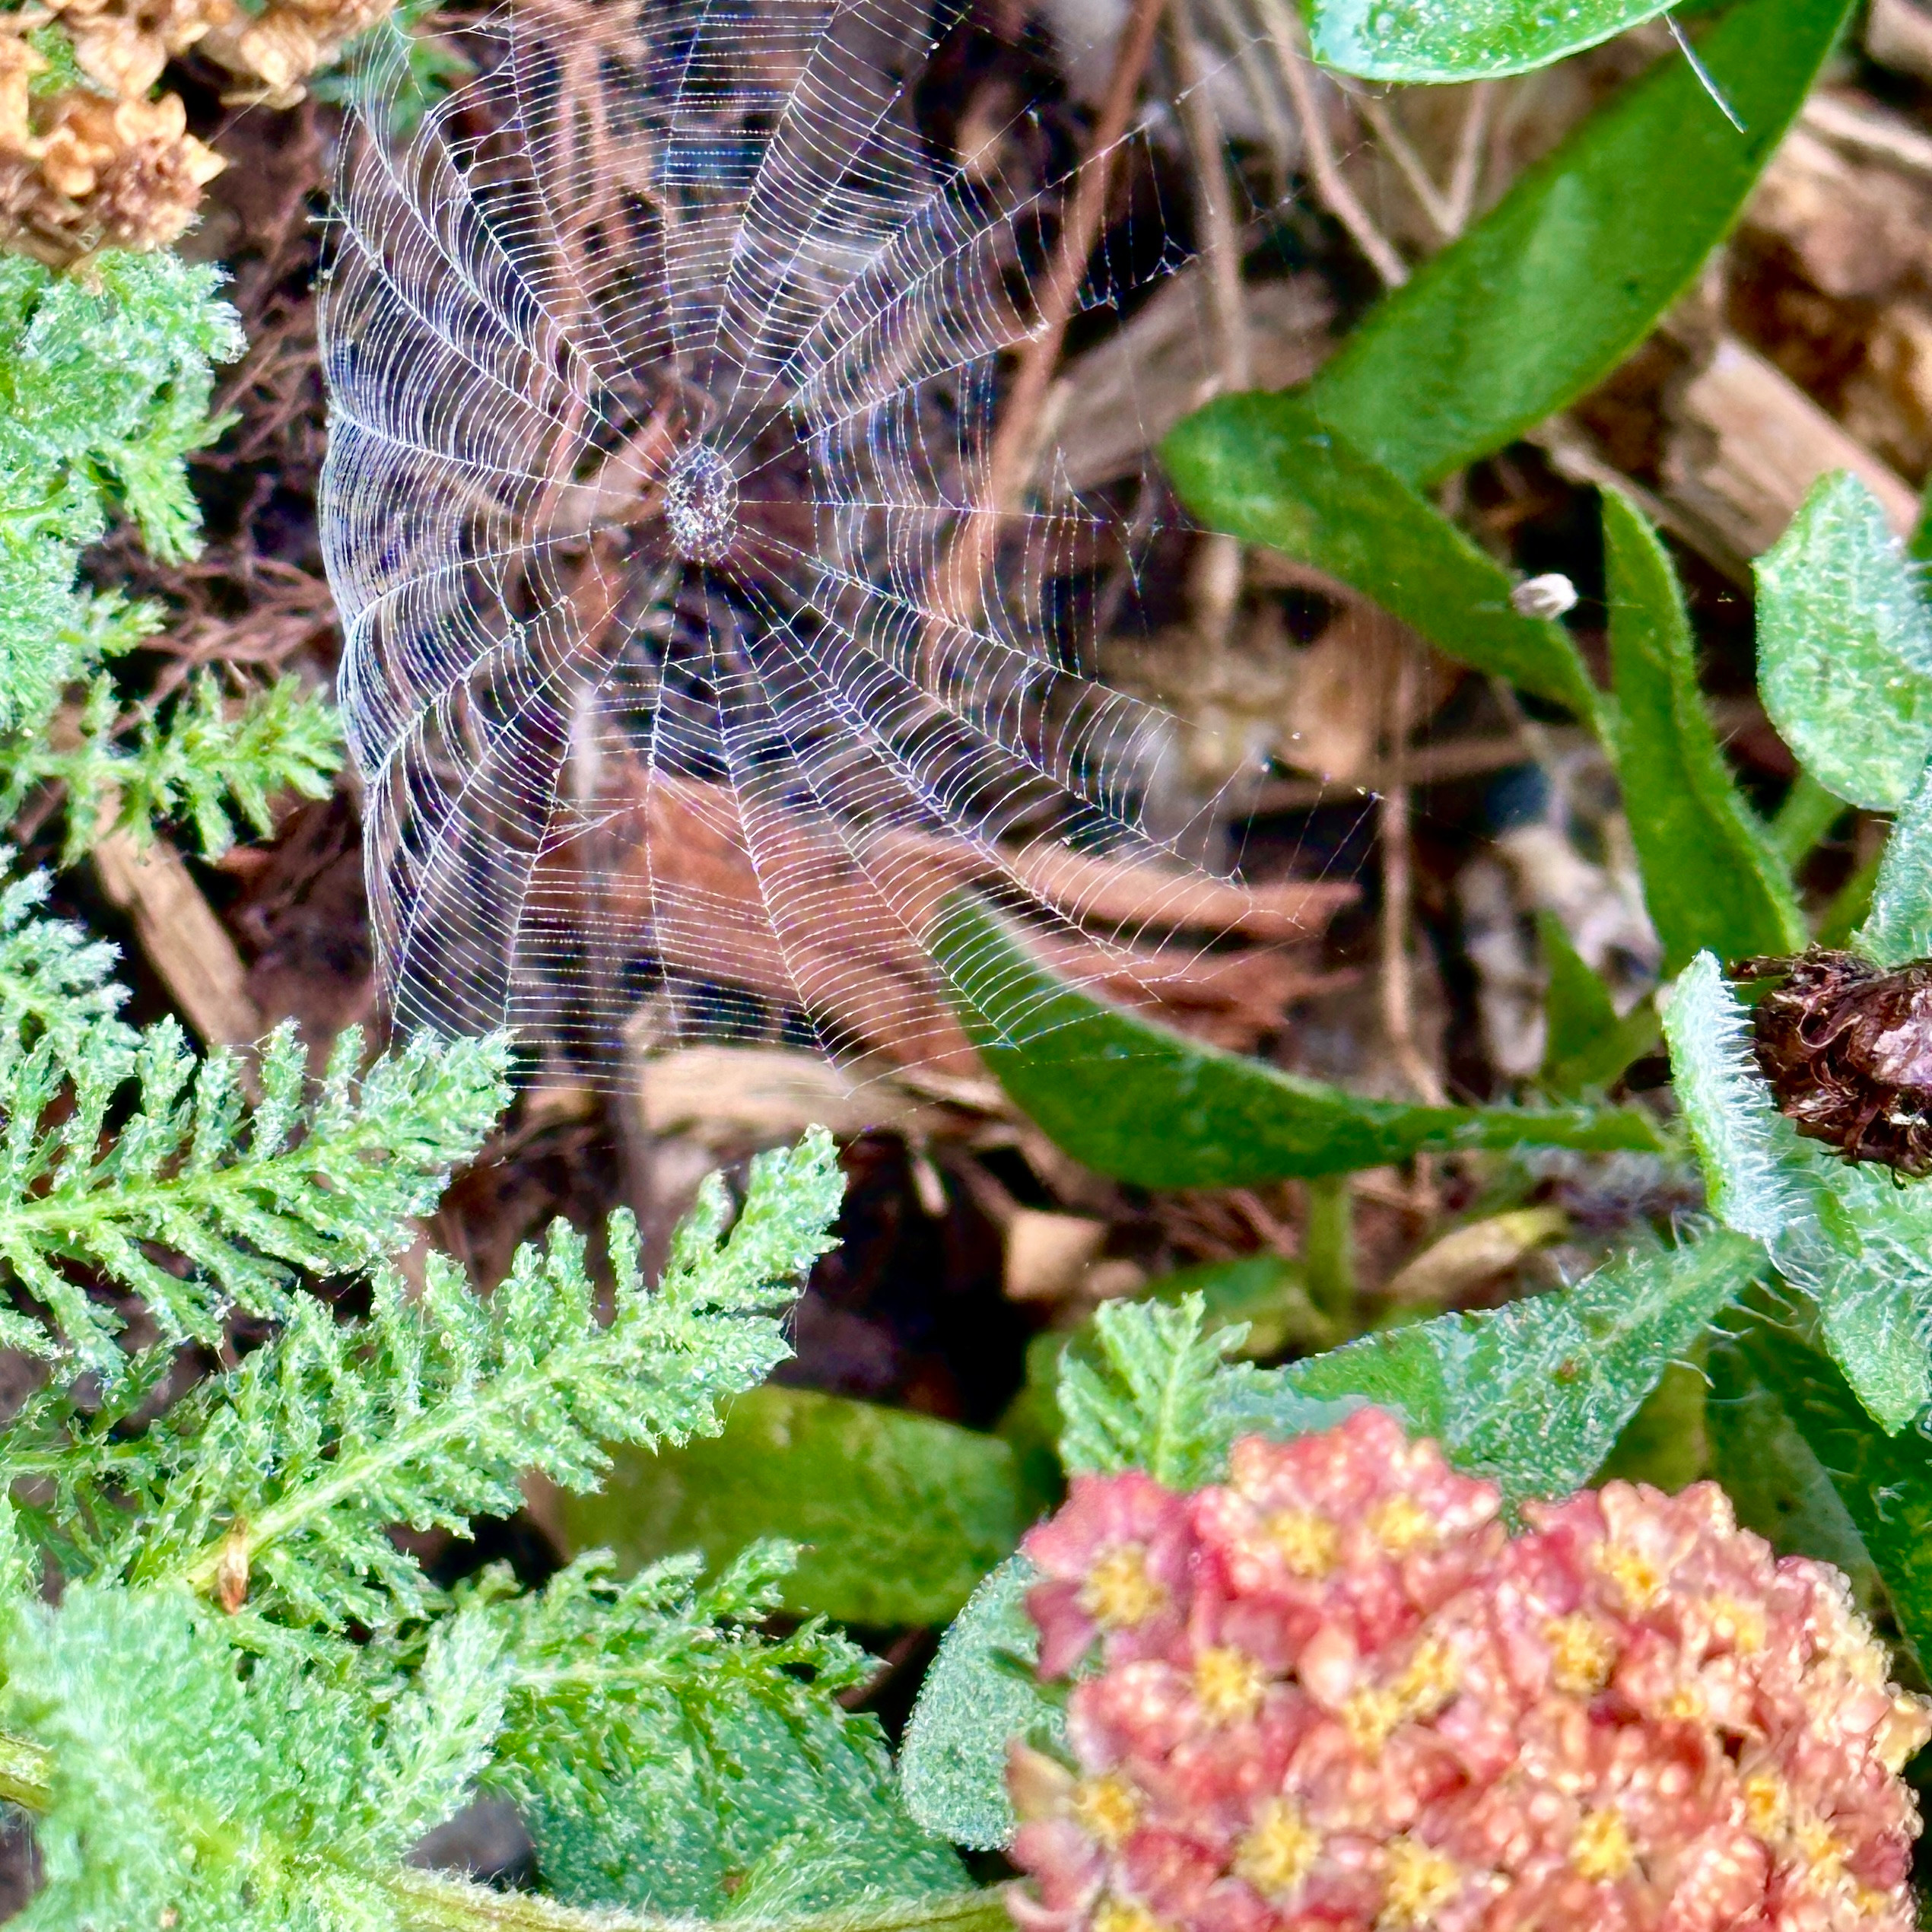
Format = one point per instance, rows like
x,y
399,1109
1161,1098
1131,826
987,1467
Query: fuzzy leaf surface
x,y
1856,1242
1533,1394
1710,877
1844,646
667,1755
978,1694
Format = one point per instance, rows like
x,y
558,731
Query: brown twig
x,y
1336,196
1010,459
1215,585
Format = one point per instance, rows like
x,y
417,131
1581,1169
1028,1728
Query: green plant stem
x,y
1328,1249
1808,813
1849,905
25,1773
435,1902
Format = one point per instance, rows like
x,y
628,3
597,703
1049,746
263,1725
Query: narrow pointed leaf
x,y
1138,1101
1711,876
1427,40
1546,294
1270,469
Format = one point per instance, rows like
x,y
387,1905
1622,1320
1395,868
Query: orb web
x,y
664,363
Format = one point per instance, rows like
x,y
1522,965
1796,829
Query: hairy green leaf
x,y
1844,646
1131,1098
1858,1244
979,1695
1555,286
1710,877
1533,1394
899,1515
1899,926
1429,40
665,1751
1885,1481
1269,469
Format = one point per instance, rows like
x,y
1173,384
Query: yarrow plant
x,y
1335,1691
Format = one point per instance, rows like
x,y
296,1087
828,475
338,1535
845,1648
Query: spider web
x,y
684,670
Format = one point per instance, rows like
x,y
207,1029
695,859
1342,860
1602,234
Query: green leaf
x,y
1710,877
328,1184
1884,1481
206,764
234,1794
1427,40
1586,1044
1777,1486
1806,814
899,1515
669,1754
1269,468
1857,1244
1151,1394
282,1478
1533,1394
1844,646
979,1695
1130,1099
1554,287
1899,926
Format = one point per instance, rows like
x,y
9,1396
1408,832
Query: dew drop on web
x,y
700,504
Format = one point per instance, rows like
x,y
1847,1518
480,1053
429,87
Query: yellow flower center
x,y
1280,1852
1601,1848
1767,1806
1123,1915
1230,1684
1582,1654
1741,1626
1401,1524
1308,1543
1634,1574
1107,1809
1427,1682
1119,1594
1422,1881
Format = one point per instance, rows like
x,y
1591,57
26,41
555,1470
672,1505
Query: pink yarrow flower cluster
x,y
1335,1693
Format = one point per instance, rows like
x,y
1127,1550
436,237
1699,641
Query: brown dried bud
x,y
285,43
1847,1049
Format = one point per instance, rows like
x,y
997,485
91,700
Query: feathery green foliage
x,y
204,762
666,1754
276,1481
105,383
241,1194
104,387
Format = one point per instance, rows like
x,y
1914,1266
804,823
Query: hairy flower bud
x,y
1335,1693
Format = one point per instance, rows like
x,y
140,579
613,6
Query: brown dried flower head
x,y
1334,1695
1847,1049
